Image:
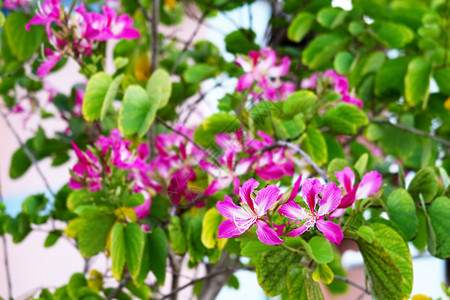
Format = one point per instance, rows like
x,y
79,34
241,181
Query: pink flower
x,y
309,83
13,4
143,209
121,156
252,211
120,27
272,164
370,184
339,82
262,68
48,13
228,175
87,172
52,59
321,200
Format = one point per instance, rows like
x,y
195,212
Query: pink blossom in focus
x,y
252,211
322,200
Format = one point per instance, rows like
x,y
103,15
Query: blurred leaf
x,y
160,87
314,144
134,248
402,211
117,250
426,183
439,213
300,26
417,81
158,245
331,17
322,49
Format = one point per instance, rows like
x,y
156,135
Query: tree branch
x,y
302,153
413,130
360,287
119,288
27,152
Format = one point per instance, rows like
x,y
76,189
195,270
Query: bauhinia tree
x,y
309,150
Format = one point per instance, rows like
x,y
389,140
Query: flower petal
x,y
293,211
297,231
217,185
244,165
295,189
228,229
230,210
266,234
346,178
349,198
331,198
331,230
310,191
244,82
266,198
246,191
280,70
370,183
143,209
245,65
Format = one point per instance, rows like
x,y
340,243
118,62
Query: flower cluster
x,y
339,83
270,164
261,69
14,4
321,203
76,35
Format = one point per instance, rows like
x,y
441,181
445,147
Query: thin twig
x,y
144,11
193,281
155,21
27,152
119,288
413,130
360,287
300,152
5,255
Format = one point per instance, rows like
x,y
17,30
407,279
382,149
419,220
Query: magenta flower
x,y
87,172
52,59
322,200
143,209
263,70
121,156
48,13
370,184
120,27
13,4
227,175
252,211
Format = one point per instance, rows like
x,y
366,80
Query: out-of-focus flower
x,y
49,12
14,4
87,172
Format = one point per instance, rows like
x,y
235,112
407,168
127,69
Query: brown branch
x,y
302,153
27,152
210,275
413,130
360,287
119,288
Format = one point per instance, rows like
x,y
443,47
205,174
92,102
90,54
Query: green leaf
x,y
158,246
323,273
366,233
442,77
241,41
321,250
331,17
361,164
94,98
322,49
439,212
76,283
137,112
199,72
20,163
77,198
426,183
210,227
342,62
110,95
299,102
253,248
300,26
21,43
392,35
271,270
145,269
300,284
33,204
345,118
337,286
214,124
402,211
444,176
134,200
389,80
417,81
117,250
92,235
314,144
134,248
52,238
177,237
159,86
195,246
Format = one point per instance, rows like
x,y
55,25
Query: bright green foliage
x,y
95,102
321,250
134,248
157,242
117,250
425,183
439,213
93,233
300,26
402,211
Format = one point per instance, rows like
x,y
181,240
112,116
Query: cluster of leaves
x,y
390,51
